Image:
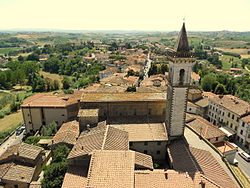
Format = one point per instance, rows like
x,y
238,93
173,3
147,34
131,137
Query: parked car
x,y
20,130
245,156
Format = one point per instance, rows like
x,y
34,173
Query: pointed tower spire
x,y
182,45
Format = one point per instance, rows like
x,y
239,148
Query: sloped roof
x,y
122,97
49,100
169,179
143,160
111,169
19,173
205,128
22,150
102,137
144,131
191,160
68,133
75,177
182,44
232,103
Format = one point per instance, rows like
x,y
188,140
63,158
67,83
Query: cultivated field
x,y
11,121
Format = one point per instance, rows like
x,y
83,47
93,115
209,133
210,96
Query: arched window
x,y
181,76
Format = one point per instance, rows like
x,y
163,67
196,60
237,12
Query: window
x,y
158,152
231,125
227,123
63,115
145,151
145,143
223,113
190,109
181,76
243,124
149,111
216,138
233,116
159,143
228,114
241,132
235,128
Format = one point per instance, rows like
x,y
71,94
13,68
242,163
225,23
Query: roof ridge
x,y
105,137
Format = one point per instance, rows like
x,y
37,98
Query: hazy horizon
x,y
129,15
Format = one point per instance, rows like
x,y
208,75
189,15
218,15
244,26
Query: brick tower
x,y
179,78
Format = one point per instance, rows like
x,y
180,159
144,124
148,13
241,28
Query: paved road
x,y
243,165
147,66
13,139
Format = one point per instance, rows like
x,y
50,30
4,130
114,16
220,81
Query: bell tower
x,y
179,78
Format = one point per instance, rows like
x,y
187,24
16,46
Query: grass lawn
x,y
241,176
11,121
228,60
7,50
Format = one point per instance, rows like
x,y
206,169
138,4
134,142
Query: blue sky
x,y
200,15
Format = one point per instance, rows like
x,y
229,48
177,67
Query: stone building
x,y
42,109
179,78
125,107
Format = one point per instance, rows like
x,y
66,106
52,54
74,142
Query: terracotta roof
x,y
232,103
205,128
143,160
88,112
144,132
100,88
4,168
202,102
112,97
119,79
246,119
189,117
188,159
195,76
19,173
194,90
169,179
49,100
111,169
68,133
75,177
190,104
22,150
102,137
212,169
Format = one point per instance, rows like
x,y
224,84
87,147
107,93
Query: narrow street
x,y
243,164
147,66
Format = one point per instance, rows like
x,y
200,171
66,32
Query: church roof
x,y
182,45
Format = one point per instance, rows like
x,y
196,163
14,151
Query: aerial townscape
x,y
124,109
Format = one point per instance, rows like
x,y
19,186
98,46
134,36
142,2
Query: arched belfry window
x,y
181,76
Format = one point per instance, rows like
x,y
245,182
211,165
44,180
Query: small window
x,y
235,128
231,125
241,132
223,113
145,143
190,109
233,116
63,115
29,122
158,152
243,124
159,143
228,114
145,151
216,138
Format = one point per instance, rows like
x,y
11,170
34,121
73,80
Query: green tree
x,y
60,154
66,82
49,130
220,89
54,174
209,82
